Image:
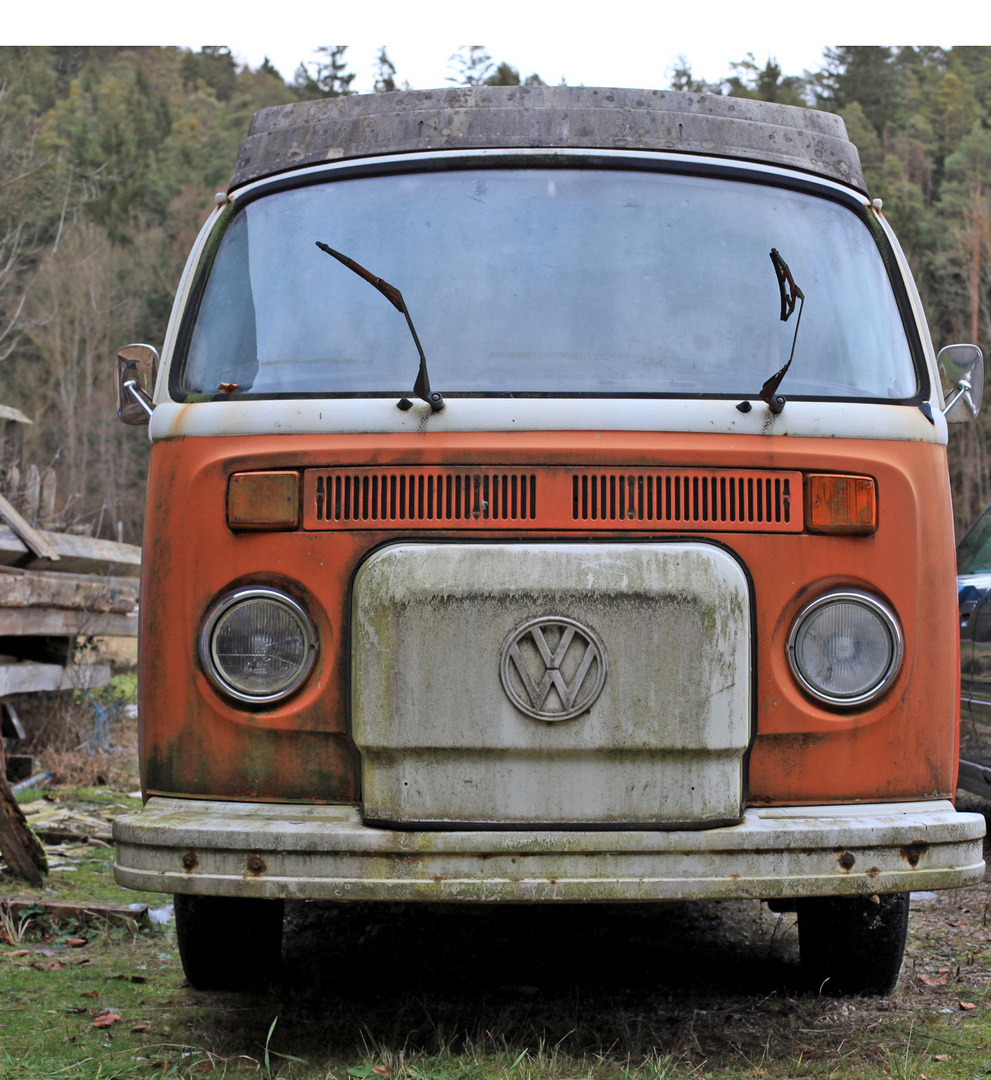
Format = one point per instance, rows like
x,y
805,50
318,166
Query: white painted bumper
x,y
326,853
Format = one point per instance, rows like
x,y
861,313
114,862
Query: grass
x,y
373,994
697,992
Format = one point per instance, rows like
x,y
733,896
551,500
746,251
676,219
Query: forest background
x,y
110,157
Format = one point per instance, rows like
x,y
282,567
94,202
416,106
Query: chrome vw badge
x,y
553,668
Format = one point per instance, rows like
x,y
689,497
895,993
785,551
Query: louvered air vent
x,y
692,497
552,498
425,495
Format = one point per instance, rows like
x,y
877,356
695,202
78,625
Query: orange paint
x,y
195,742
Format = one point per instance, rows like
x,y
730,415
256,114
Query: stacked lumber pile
x,y
56,589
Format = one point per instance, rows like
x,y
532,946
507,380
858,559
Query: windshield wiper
x,y
421,388
790,295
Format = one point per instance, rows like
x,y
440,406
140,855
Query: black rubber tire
x,y
853,946
229,943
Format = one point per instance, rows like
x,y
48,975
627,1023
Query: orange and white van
x,y
548,503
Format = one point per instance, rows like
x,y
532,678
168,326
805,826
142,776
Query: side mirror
x,y
135,372
961,369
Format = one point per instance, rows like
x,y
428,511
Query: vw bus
x,y
548,504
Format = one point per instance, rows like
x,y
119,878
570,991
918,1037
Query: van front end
x,y
632,583
438,750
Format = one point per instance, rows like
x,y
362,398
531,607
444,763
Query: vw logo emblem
x,y
553,668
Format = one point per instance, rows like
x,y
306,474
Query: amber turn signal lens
x,y
263,501
841,504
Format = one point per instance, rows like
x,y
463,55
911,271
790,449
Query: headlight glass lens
x,y
846,648
258,645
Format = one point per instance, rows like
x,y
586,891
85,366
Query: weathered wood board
x,y
89,592
27,677
61,622
77,554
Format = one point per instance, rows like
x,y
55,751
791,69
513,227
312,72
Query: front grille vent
x,y
674,497
424,495
552,498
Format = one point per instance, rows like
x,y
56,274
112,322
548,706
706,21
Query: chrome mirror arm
x,y
135,372
139,395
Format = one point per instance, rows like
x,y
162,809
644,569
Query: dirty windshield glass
x,y
546,282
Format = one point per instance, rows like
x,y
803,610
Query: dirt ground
x,y
709,990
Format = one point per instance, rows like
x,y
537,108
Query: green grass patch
x,y
375,996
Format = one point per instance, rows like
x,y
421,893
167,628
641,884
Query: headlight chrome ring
x,y
846,648
257,645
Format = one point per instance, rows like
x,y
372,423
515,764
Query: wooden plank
x,y
60,622
89,592
77,554
8,412
28,677
25,531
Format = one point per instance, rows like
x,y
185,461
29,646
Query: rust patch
x,y
913,852
256,865
846,861
190,861
873,871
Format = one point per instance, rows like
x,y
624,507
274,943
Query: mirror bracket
x,y
135,372
962,371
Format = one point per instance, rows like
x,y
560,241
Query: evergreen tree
x,y
764,84
471,65
865,74
331,77
385,73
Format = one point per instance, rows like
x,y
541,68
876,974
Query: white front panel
x,y
639,713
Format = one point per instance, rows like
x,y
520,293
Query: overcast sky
x,y
634,43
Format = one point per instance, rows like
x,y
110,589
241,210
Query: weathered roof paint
x,y
532,117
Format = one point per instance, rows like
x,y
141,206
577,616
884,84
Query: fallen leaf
x,y
380,1070
75,942
140,1027
17,952
967,1005
106,1019
942,971
940,981
90,993
955,924
52,965
941,1057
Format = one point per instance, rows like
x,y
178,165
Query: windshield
x,y
546,282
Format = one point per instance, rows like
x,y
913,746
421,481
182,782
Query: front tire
x,y
229,943
853,946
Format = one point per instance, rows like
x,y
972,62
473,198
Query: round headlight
x,y
845,648
257,645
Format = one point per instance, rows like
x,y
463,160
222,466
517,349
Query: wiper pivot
x,y
421,388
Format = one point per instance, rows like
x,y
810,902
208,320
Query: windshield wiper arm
x,y
421,388
790,295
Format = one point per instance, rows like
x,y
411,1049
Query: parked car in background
x,y
973,592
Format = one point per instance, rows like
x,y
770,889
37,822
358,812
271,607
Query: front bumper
x,y
327,853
